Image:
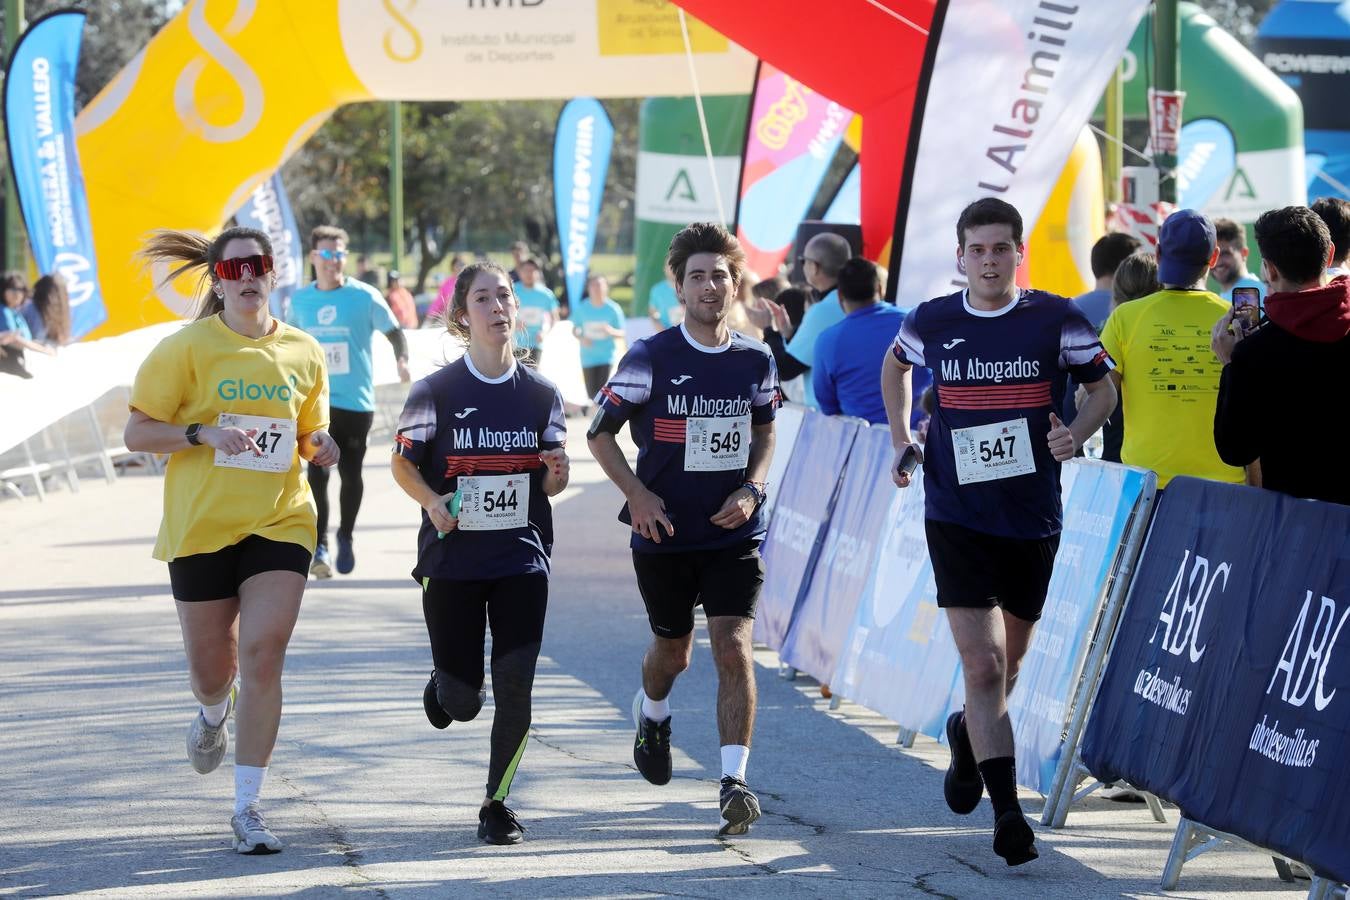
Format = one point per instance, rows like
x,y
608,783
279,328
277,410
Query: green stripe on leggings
x,y
505,787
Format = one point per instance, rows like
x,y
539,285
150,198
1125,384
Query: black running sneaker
x,y
438,717
1013,838
498,825
651,749
740,806
963,786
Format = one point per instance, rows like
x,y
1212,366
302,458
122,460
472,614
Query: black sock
x,y
1000,781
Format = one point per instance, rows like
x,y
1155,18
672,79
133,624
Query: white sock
x,y
248,783
656,710
215,713
734,759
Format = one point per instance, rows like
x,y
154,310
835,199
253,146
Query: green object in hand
x,y
452,507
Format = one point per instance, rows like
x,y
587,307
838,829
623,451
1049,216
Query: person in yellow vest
x,y
236,399
1167,375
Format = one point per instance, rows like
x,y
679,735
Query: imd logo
x,y
327,315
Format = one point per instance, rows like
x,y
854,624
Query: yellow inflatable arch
x,y
229,89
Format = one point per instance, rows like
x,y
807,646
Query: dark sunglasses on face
x,y
233,269
331,255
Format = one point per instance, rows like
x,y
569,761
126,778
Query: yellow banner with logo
x,y
229,89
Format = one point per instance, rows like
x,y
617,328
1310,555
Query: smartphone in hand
x,y
1247,308
909,461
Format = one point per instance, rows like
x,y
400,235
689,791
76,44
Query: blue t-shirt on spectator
x,y
589,321
12,320
846,377
537,305
663,301
1095,307
822,314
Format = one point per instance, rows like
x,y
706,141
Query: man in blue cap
x,y
1166,372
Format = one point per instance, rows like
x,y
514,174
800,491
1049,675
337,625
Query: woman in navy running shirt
x,y
480,448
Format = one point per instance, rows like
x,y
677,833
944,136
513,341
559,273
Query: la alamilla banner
x,y
581,148
792,136
1011,85
269,210
1228,687
40,123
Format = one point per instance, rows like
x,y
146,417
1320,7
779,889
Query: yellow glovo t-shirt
x,y
1169,382
276,383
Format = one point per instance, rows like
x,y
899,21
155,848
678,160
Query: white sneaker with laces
x,y
252,837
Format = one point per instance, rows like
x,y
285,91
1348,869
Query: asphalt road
x,y
97,799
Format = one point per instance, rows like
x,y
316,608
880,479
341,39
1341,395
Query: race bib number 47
x,y
274,437
494,502
716,444
991,452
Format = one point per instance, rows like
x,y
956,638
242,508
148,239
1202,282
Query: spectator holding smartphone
x,y
1304,342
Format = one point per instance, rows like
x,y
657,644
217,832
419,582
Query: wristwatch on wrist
x,y
191,434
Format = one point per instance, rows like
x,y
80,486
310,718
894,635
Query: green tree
x,y
1239,18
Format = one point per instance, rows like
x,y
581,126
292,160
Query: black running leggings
x,y
457,614
350,430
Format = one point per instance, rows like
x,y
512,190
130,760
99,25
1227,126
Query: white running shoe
x,y
206,744
252,837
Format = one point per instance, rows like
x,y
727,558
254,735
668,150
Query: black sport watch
x,y
192,432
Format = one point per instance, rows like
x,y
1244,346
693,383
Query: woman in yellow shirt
x,y
237,399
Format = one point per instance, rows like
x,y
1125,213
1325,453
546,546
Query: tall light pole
x,y
13,221
396,186
1166,28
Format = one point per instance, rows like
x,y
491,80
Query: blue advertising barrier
x,y
899,658
269,210
40,126
797,529
785,427
1099,498
821,623
581,146
1225,692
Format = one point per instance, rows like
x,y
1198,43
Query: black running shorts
x,y
217,575
725,581
980,571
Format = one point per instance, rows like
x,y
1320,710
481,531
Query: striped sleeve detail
x,y
908,346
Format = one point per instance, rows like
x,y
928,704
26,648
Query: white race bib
x,y
716,444
532,316
335,356
494,502
596,331
990,452
274,437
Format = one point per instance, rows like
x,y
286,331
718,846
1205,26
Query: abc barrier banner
x,y
1228,687
797,529
821,623
899,658
40,125
581,146
793,134
1098,500
786,425
269,210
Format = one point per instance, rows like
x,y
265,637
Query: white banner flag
x,y
1012,83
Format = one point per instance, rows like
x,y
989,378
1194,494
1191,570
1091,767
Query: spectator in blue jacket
x,y
849,353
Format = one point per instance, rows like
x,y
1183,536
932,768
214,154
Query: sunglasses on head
x,y
233,269
331,255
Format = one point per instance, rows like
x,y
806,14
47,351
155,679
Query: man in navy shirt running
x,y
999,357
700,400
